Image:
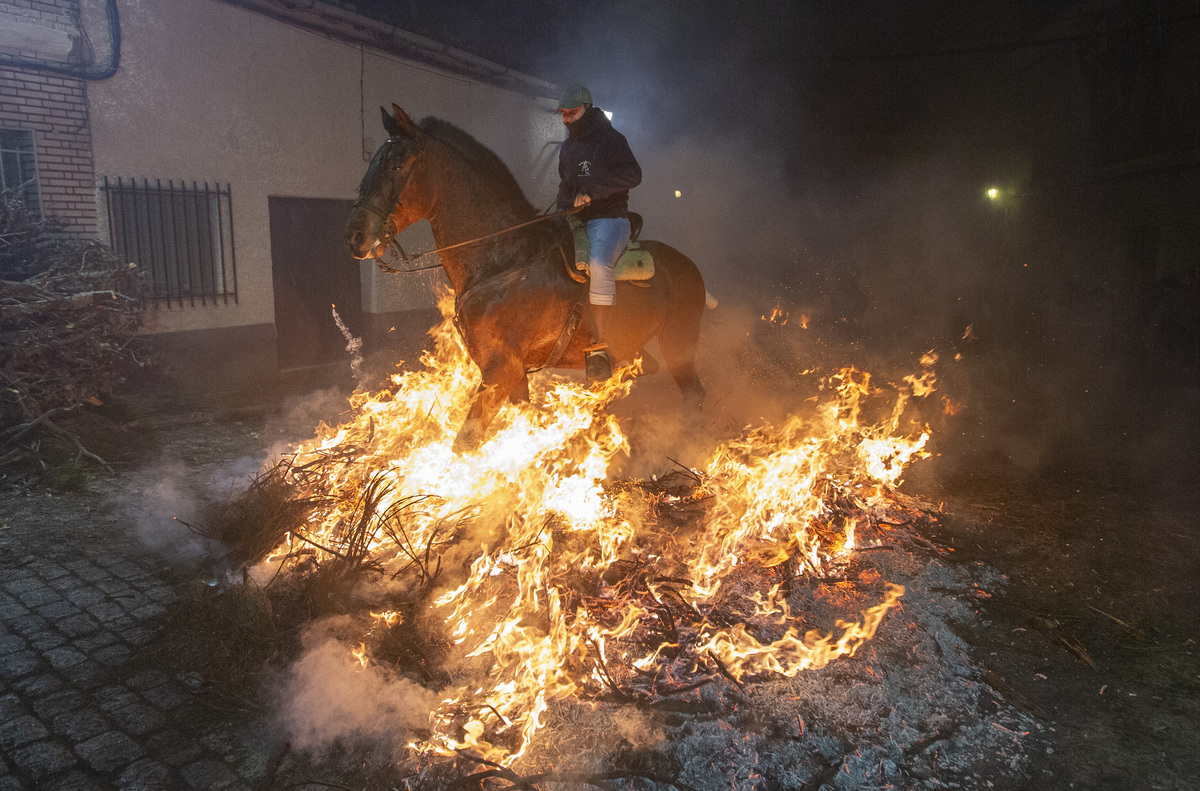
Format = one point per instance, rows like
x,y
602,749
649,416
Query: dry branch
x,y
69,313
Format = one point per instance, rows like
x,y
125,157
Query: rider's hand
x,y
581,201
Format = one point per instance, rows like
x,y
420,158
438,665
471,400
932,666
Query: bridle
x,y
396,252
387,229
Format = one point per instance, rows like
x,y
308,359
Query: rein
x,y
394,245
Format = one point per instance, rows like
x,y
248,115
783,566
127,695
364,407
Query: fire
x,y
570,586
779,316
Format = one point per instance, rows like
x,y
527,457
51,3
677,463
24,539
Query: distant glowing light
x,y
678,194
608,114
993,193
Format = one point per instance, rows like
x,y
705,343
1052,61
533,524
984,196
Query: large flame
x,y
568,576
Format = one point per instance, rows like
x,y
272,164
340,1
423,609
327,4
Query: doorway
x,y
311,270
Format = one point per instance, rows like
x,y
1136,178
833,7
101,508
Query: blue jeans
x,y
607,237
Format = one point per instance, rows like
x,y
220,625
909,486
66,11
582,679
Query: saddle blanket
x,y
635,263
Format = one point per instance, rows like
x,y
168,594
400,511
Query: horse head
x,y
389,197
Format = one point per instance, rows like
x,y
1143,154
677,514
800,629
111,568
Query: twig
x,y
1077,649
319,546
609,681
24,428
599,779
1113,617
725,672
679,580
687,470
79,445
686,687
499,716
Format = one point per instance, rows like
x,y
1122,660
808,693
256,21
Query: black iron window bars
x,y
180,234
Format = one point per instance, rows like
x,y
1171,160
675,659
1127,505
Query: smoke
x,y
328,698
811,278
163,498
821,167
159,500
353,346
297,418
851,192
639,729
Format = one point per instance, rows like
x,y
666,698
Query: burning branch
x,y
566,585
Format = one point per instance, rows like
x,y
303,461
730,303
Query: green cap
x,y
574,96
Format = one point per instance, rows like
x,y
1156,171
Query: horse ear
x,y
399,124
389,124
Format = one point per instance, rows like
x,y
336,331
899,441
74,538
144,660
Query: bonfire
x,y
521,574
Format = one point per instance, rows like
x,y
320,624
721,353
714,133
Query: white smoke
x,y
353,346
329,698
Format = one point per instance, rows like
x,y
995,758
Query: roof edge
x,y
353,26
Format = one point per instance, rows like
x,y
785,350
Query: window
x,y
180,235
18,168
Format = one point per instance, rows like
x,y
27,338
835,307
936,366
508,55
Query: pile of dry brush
x,y
69,315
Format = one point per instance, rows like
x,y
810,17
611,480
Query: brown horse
x,y
514,294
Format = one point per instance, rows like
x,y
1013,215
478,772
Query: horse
x,y
516,301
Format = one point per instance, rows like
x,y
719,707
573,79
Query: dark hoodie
x,y
595,160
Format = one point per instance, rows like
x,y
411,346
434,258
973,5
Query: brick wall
x,y
62,15
55,109
48,11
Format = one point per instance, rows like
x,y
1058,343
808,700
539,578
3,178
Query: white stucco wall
x,y
208,90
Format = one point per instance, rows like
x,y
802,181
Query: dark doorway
x,y
311,270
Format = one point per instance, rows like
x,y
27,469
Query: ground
x,y
1090,641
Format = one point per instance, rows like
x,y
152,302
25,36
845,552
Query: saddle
x,y
636,264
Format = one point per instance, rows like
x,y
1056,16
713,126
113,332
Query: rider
x,y
597,170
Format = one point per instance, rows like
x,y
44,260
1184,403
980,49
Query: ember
x,y
576,586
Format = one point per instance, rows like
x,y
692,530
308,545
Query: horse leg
x,y
678,341
520,392
503,378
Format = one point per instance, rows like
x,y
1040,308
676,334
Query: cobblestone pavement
x,y
82,704
78,710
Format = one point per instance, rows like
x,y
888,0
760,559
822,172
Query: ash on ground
x,y
909,710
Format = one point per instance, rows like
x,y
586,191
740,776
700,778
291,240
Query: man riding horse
x,y
516,304
597,170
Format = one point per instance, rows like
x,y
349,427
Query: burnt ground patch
x,y
1091,637
1097,634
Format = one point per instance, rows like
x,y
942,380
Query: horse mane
x,y
481,158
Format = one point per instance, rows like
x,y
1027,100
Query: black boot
x,y
597,365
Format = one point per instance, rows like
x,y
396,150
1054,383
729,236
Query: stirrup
x,y
597,367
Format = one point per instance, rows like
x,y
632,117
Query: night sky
x,y
797,75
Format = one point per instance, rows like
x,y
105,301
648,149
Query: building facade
x,y
219,143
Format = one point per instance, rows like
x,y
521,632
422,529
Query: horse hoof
x,y
469,437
